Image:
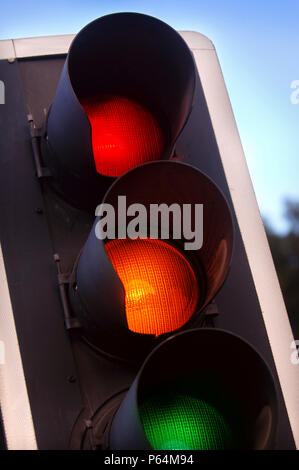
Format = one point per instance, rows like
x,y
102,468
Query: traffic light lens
x,y
161,290
124,134
181,422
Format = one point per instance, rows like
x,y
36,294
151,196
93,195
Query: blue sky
x,y
258,47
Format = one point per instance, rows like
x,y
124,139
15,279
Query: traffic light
x,y
129,292
145,327
201,389
120,102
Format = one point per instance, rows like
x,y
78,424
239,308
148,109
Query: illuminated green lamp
x,y
182,422
201,389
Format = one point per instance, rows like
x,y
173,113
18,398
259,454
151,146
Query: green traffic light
x,y
183,422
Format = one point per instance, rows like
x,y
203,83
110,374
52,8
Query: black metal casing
x,y
115,63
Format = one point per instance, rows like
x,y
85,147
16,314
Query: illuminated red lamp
x,y
124,134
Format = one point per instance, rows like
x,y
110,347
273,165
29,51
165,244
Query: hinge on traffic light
x,y
70,321
35,133
89,434
209,314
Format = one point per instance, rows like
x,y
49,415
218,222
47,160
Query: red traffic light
x,y
124,134
114,110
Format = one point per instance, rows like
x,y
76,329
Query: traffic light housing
x,y
120,102
84,370
129,292
201,389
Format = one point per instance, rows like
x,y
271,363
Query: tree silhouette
x,y
285,253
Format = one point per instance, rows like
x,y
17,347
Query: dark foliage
x,y
285,252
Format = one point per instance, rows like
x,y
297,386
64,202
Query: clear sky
x,y
258,47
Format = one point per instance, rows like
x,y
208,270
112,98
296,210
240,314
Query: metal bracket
x,y
211,309
70,321
35,133
209,314
89,434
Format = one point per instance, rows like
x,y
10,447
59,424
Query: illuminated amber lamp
x,y
161,289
